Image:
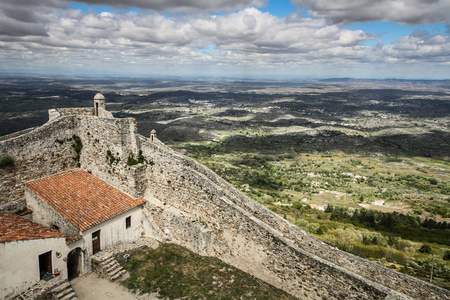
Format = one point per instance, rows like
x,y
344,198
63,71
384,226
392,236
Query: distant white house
x,y
318,207
379,202
278,203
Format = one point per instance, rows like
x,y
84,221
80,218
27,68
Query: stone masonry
x,y
190,205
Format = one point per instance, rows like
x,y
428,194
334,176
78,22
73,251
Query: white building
x,y
29,252
91,213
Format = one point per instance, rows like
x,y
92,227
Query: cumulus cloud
x,y
19,21
181,5
158,5
421,45
410,12
56,36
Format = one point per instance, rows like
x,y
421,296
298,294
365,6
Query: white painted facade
x,y
19,263
112,232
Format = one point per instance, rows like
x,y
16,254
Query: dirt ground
x,y
91,286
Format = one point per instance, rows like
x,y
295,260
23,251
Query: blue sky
x,y
234,38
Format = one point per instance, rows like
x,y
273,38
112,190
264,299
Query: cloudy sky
x,y
236,38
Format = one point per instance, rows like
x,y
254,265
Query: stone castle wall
x,y
251,237
192,206
37,153
376,272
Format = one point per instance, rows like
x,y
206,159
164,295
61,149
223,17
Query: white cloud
x,y
248,41
409,12
181,5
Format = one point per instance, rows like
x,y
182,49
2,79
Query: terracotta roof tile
x,y
83,199
15,228
73,238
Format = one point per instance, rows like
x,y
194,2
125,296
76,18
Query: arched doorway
x,y
74,263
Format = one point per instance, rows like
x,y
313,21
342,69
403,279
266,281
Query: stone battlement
x,y
190,205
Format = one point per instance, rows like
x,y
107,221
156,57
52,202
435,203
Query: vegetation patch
x,y
175,272
77,146
6,161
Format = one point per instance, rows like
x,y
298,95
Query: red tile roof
x,y
15,228
83,199
73,238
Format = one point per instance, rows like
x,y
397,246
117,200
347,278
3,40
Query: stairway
x,y
109,268
64,291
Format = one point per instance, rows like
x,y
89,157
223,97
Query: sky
x,y
294,39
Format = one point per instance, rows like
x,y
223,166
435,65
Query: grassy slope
x,y
176,272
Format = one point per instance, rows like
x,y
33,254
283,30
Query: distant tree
x,y
425,249
446,255
329,208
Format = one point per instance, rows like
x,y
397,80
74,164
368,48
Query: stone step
x,y
113,267
109,268
69,296
114,271
118,275
107,260
110,265
64,291
61,287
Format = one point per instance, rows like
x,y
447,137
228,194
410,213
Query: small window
x,y
128,222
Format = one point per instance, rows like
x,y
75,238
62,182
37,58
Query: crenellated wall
x,y
190,205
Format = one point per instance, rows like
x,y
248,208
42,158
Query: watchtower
x,y
99,102
153,135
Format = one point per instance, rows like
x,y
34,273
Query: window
x,y
54,226
128,222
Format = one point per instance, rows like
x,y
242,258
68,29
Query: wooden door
x,y
45,264
96,241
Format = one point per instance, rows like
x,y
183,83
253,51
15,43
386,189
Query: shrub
x,y
425,249
131,161
6,161
322,229
418,211
446,255
140,157
77,146
370,240
301,222
372,251
313,227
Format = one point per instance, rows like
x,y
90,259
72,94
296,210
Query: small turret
x,y
153,135
99,102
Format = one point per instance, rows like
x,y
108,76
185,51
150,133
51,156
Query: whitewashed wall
x,y
19,263
112,232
